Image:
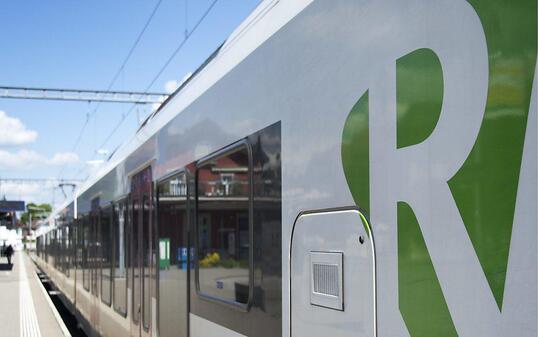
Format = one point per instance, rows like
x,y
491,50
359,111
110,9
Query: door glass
x,y
84,243
106,255
141,185
173,257
146,260
96,248
120,280
223,233
85,250
135,261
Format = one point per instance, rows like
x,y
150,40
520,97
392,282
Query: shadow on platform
x,y
5,266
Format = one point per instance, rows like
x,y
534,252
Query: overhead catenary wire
x,y
186,31
155,78
135,44
117,74
162,69
79,138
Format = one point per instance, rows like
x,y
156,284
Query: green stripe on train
x,y
485,187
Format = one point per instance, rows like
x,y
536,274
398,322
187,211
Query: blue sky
x,y
81,44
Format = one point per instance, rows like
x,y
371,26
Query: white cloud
x,y
63,158
14,132
95,162
171,86
93,167
102,152
19,160
37,192
27,159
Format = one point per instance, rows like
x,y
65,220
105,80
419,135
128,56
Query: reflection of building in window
x,y
223,226
177,187
225,176
226,180
173,240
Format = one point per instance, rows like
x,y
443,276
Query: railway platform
x,y
26,310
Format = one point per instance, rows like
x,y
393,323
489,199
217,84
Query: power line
x,y
135,44
159,73
161,70
129,54
79,138
194,28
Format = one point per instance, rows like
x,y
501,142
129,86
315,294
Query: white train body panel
x,y
421,115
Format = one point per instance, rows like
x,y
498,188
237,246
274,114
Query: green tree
x,y
40,211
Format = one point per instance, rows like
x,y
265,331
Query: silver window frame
x,y
224,301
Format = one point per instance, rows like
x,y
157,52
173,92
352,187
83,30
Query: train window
x,y
134,260
62,246
147,258
50,250
53,248
173,257
71,254
120,244
106,255
65,250
47,247
85,252
79,251
95,246
57,246
38,246
223,235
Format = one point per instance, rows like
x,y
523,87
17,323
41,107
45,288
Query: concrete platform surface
x,y
25,309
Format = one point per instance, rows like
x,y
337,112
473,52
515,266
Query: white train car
x,y
337,168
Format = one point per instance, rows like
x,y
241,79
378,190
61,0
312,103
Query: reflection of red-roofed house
x,y
223,191
225,176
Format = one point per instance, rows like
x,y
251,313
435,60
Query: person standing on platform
x,y
9,252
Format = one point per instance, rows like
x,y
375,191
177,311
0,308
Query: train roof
x,y
266,19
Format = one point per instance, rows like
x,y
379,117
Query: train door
x,y
94,262
74,258
333,276
174,256
142,254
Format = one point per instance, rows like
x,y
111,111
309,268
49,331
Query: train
x,y
336,168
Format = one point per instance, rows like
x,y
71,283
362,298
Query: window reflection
x,y
85,251
120,249
223,226
147,259
106,255
134,261
173,256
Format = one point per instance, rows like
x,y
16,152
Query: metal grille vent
x,y
326,279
